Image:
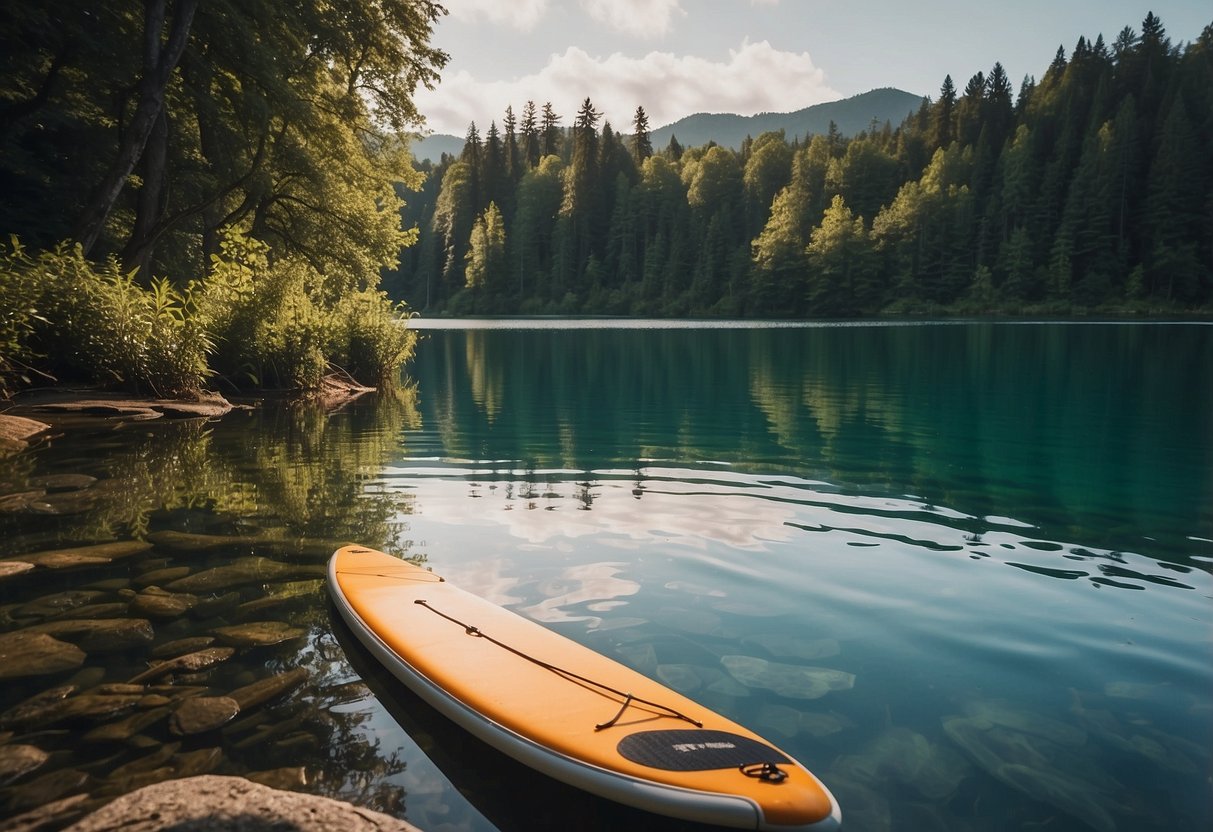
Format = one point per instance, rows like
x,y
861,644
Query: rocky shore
x,y
24,419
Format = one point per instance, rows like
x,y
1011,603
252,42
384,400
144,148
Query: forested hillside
x,y
1088,189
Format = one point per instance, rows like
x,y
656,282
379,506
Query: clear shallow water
x,y
961,571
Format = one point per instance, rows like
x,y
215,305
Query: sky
x,y
679,57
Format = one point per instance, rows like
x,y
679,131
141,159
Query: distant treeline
x,y
1088,190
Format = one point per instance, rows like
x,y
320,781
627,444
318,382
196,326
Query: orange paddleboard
x,y
564,710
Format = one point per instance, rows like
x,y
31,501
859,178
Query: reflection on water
x,y
962,572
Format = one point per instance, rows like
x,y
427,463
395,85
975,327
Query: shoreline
x,y
29,415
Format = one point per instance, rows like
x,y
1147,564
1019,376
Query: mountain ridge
x,y
850,115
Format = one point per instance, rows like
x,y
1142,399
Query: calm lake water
x,y
1000,534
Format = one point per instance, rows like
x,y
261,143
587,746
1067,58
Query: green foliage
x,y
274,326
370,341
21,292
95,321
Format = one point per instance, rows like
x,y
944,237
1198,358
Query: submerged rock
x,y
194,763
199,714
87,707
157,603
681,677
56,603
1039,767
788,680
20,500
12,568
190,662
21,713
54,815
17,760
998,712
47,788
85,555
124,729
642,657
100,635
161,576
250,696
900,755
181,646
258,633
1070,794
243,571
291,778
822,725
36,654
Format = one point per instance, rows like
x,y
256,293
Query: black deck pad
x,y
696,750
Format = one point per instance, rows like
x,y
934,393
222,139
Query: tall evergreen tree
x,y
530,135
549,131
943,115
642,145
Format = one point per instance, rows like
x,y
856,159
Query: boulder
x,y
211,803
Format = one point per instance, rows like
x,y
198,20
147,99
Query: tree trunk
x,y
150,209
159,61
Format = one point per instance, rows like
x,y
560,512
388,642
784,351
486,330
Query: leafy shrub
x,y
371,340
21,293
268,330
95,321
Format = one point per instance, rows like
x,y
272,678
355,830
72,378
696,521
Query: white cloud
x,y
754,78
520,14
642,18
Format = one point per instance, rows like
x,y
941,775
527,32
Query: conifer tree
x,y
642,145
549,131
943,115
530,135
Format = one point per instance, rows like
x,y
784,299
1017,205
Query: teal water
x,y
961,571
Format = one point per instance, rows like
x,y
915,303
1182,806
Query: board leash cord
x,y
628,699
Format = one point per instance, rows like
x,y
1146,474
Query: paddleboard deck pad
x,y
565,710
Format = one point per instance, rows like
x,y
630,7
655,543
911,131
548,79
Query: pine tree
x,y
530,135
642,145
549,131
943,115
512,159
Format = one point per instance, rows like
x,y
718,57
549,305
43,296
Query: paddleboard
x,y
565,710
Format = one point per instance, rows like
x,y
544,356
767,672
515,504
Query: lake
x,y
960,570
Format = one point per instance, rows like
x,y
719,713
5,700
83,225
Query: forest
x,y
1088,190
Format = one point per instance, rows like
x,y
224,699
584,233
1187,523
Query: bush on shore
x,y
252,322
